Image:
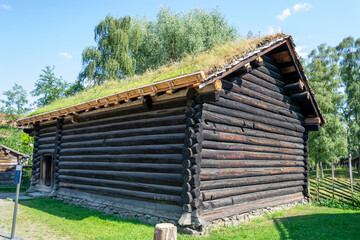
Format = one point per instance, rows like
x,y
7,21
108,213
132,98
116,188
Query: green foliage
x,y
49,87
349,60
336,203
209,61
127,46
16,139
117,40
329,143
74,88
14,105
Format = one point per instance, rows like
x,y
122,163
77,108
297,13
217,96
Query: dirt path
x,y
26,227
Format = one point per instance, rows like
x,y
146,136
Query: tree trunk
x,y
350,172
333,176
312,165
317,182
322,171
358,155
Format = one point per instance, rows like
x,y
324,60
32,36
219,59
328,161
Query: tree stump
x,y
165,231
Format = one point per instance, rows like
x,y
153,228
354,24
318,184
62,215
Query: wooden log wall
x,y
307,166
8,162
35,174
191,161
56,160
46,143
133,155
254,151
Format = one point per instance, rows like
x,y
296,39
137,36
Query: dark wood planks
x,y
253,152
136,154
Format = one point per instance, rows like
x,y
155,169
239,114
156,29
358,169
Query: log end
x,y
165,231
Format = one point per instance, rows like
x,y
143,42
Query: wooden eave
x,y
197,80
167,86
14,152
294,66
301,72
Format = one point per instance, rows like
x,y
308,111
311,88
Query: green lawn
x,y
52,219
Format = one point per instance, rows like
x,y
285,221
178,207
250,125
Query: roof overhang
x,y
170,88
8,150
284,54
282,50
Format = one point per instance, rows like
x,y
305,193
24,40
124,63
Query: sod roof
x,y
194,70
209,62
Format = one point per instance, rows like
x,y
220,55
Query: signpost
x,y
17,180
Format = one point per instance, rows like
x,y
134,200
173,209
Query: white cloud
x,y
302,6
65,55
286,13
6,7
299,50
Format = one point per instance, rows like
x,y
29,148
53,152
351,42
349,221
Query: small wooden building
x,y
192,149
345,162
9,158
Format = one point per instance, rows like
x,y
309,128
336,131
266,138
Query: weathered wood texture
x,y
7,162
165,231
44,143
131,154
205,156
254,148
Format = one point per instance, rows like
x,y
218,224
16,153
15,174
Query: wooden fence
x,y
341,190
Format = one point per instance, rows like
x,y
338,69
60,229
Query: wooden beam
x,y
281,57
312,127
313,120
163,86
298,86
300,97
286,70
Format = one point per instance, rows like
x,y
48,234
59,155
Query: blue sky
x,y
38,33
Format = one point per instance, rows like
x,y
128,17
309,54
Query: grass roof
x,y
209,61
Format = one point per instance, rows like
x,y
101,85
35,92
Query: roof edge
x,y
169,85
13,151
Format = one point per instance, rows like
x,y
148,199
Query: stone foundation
x,y
150,219
121,213
246,217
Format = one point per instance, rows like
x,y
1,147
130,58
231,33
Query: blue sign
x,y
17,174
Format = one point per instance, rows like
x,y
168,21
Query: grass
x,y
302,222
208,61
342,197
52,219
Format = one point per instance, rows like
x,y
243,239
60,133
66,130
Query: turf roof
x,y
209,61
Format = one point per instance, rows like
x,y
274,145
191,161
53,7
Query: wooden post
x,y
165,231
322,170
312,165
317,181
333,176
350,172
358,155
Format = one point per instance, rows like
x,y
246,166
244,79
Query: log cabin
x,y
9,158
191,149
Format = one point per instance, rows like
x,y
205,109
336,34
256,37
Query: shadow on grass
x,y
72,212
319,226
